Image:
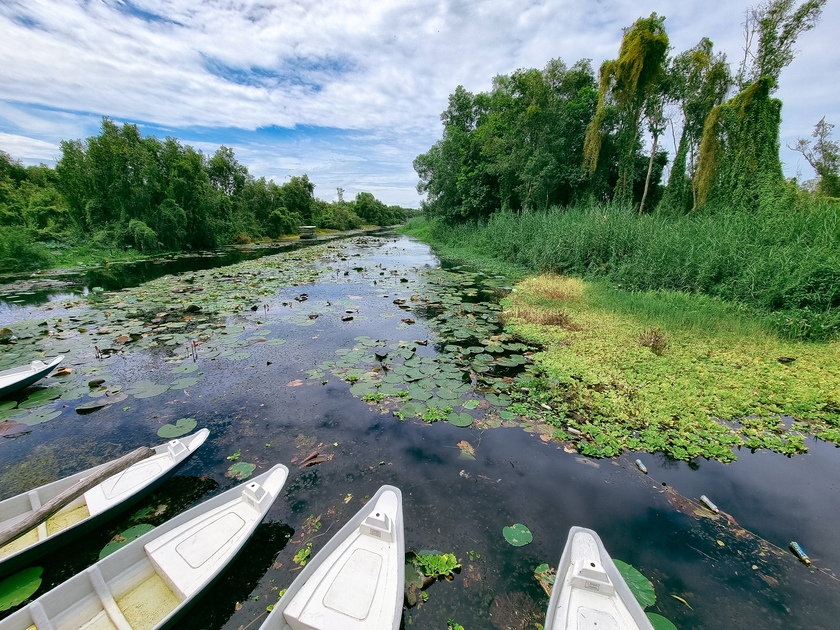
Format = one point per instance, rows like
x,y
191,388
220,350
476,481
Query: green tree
x,y
770,32
823,156
627,83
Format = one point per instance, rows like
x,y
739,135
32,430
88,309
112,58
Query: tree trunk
x,y
650,168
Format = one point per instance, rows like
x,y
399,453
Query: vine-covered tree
x,y
626,83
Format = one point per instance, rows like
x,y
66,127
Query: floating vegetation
x,y
517,535
240,470
181,427
122,539
19,587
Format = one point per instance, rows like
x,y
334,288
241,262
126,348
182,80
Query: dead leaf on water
x,y
295,383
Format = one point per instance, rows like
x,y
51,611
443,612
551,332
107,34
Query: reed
x,y
784,266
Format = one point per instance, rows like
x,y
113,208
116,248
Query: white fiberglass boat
x,y
149,583
356,582
92,508
589,592
17,378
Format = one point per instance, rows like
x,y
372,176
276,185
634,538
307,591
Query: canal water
x,y
276,360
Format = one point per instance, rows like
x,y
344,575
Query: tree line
x,y
121,189
552,137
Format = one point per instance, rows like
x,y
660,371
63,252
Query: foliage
x,y
770,32
739,154
627,83
824,158
303,554
517,534
436,566
19,587
639,585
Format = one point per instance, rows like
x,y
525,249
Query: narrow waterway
x,y
286,374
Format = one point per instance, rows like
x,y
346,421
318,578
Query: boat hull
x,y
589,591
10,509
356,582
151,582
17,378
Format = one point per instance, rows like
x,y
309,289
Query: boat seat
x,y
185,559
104,594
39,616
35,502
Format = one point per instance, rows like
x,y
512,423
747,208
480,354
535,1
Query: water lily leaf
x,y
413,409
239,356
17,588
185,369
240,470
460,419
9,404
122,539
146,389
659,622
38,417
182,427
499,400
275,342
517,535
471,404
92,405
639,585
183,383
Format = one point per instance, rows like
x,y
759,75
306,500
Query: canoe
x,y
356,582
94,507
17,378
149,583
589,591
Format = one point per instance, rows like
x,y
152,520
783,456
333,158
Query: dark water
x,y
732,575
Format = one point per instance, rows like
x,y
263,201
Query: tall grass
x,y
784,265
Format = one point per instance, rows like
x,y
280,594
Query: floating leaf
x,y
120,540
471,404
45,415
413,409
639,585
185,369
92,405
517,535
182,427
240,470
659,622
17,588
146,389
499,400
183,383
460,419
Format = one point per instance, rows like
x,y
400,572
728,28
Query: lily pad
x,y
413,409
518,535
659,622
460,419
182,427
146,389
240,470
92,405
183,383
185,369
38,417
17,588
122,539
275,342
639,585
499,400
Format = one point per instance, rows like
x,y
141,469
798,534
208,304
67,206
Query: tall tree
x,y
770,32
627,83
823,156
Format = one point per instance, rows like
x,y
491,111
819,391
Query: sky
x,y
346,91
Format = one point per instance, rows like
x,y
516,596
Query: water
x,y
731,574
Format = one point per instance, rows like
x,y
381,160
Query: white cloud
x,y
384,70
28,149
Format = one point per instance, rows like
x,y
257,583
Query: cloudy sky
x,y
347,91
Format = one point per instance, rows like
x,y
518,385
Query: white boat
x,y
589,592
149,583
17,378
94,507
356,582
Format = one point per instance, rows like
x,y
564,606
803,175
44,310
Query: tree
x,y
698,81
770,31
823,156
627,83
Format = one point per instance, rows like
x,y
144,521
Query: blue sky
x,y
346,91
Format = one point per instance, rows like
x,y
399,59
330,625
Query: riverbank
x,y
663,371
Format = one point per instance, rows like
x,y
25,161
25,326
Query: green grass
x,y
783,266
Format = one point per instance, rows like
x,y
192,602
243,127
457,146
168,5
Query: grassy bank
x,y
688,374
785,267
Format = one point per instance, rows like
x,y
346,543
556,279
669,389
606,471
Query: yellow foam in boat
x,y
101,622
148,603
29,538
63,520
